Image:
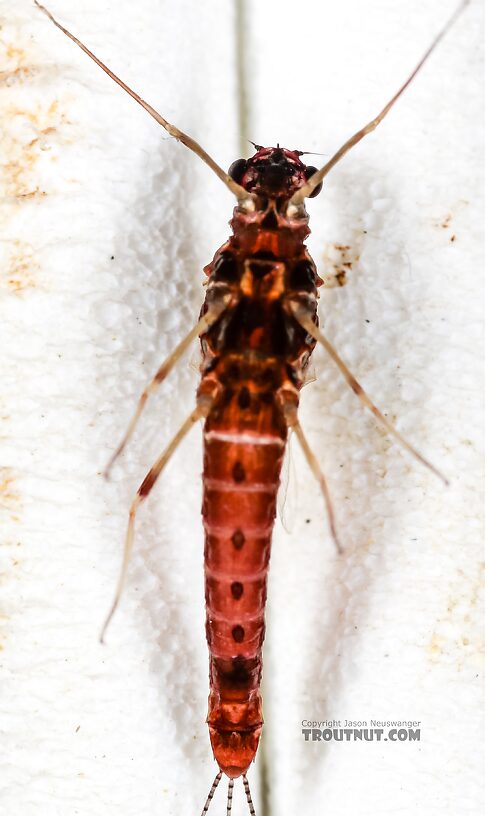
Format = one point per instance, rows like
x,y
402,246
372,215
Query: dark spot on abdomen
x,y
238,633
237,672
244,397
238,472
237,590
238,539
240,676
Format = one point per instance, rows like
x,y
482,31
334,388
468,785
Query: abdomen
x,y
243,452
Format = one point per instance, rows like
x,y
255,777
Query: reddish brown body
x,y
258,328
253,367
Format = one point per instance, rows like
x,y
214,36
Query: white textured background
x,y
105,227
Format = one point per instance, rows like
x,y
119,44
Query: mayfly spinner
x,y
258,327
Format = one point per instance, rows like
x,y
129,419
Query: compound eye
x,y
309,172
237,170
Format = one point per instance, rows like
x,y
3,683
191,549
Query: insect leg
x,y
204,323
211,793
291,417
300,314
245,198
318,177
141,495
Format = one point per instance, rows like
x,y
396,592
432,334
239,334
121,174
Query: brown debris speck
x,y
9,497
15,66
339,260
19,268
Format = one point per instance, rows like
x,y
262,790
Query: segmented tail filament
x,y
248,795
230,790
211,793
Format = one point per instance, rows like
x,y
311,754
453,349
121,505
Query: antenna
x,y
244,198
317,178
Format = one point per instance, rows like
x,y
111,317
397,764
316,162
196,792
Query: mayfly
x,y
258,327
